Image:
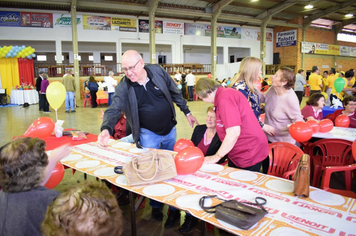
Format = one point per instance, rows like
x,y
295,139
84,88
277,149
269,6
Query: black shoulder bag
x,y
239,214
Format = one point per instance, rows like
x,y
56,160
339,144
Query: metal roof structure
x,y
328,14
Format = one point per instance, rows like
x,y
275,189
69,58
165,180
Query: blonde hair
x,y
86,209
205,86
248,72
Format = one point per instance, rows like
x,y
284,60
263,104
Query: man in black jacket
x,y
146,95
38,89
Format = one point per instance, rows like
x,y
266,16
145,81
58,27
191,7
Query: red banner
x,y
36,19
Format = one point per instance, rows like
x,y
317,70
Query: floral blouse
x,y
252,98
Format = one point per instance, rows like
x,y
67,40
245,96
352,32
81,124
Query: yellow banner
x,y
123,22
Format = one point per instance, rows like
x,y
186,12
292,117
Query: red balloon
x,y
182,143
315,125
342,121
301,131
56,176
40,128
354,150
326,125
189,160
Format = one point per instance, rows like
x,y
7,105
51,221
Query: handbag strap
x,y
211,209
154,158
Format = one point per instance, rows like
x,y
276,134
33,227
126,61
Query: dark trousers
x,y
255,168
93,99
40,102
190,91
184,91
44,102
299,95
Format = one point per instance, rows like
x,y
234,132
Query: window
x,y
108,58
41,58
346,38
91,58
55,57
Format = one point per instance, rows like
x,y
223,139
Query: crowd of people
x,y
233,134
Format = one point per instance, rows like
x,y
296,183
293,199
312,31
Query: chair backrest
x,y
283,157
332,152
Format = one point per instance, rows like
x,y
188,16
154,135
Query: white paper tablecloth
x,y
21,96
338,133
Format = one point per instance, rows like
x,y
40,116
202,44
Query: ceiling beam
x,y
274,10
335,8
218,7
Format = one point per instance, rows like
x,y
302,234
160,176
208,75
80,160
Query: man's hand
x,y
103,138
191,119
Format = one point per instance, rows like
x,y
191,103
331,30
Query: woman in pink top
x,y
282,106
236,125
313,109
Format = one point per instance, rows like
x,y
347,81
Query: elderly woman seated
x,y
84,209
24,167
313,109
349,103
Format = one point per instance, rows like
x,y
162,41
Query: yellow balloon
x,y
56,94
325,95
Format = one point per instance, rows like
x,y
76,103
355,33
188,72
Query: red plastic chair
x,y
330,152
328,116
283,159
85,99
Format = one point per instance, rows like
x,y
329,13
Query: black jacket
x,y
124,99
38,84
198,135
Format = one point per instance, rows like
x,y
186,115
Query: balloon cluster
x,y
189,158
17,52
303,131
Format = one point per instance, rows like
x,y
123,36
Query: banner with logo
x,y
219,29
96,22
286,38
10,18
143,26
170,27
36,19
65,21
269,36
232,32
249,34
353,51
322,48
124,24
194,29
345,51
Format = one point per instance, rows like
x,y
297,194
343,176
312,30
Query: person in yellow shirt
x,y
324,79
347,89
315,81
329,84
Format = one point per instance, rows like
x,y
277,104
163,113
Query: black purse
x,y
239,214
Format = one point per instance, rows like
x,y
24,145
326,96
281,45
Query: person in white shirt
x,y
111,83
178,76
299,85
190,84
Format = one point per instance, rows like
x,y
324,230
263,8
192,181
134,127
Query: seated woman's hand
x,y
211,159
269,130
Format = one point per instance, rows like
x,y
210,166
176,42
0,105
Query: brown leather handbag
x,y
302,177
150,168
239,214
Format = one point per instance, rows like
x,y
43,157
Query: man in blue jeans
x,y
69,84
146,95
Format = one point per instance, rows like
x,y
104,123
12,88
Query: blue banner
x,y
286,38
10,19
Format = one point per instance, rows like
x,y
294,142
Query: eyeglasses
x,y
130,68
352,104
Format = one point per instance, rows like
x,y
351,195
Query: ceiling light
x,y
349,15
309,6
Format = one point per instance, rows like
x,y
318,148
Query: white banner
x,y
170,27
249,34
65,20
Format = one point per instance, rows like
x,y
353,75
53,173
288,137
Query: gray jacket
x,y
124,99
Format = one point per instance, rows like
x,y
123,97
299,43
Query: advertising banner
x,y
269,36
219,33
249,34
170,27
159,27
65,21
143,26
232,32
36,19
10,18
286,38
96,22
326,49
194,29
124,24
345,51
353,51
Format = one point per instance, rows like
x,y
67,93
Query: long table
x,y
19,97
323,213
338,133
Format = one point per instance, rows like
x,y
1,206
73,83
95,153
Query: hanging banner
x,y
143,26
353,51
96,22
232,32
321,48
249,34
65,21
269,36
308,47
10,19
36,19
173,27
219,31
286,38
345,51
124,24
159,27
194,29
